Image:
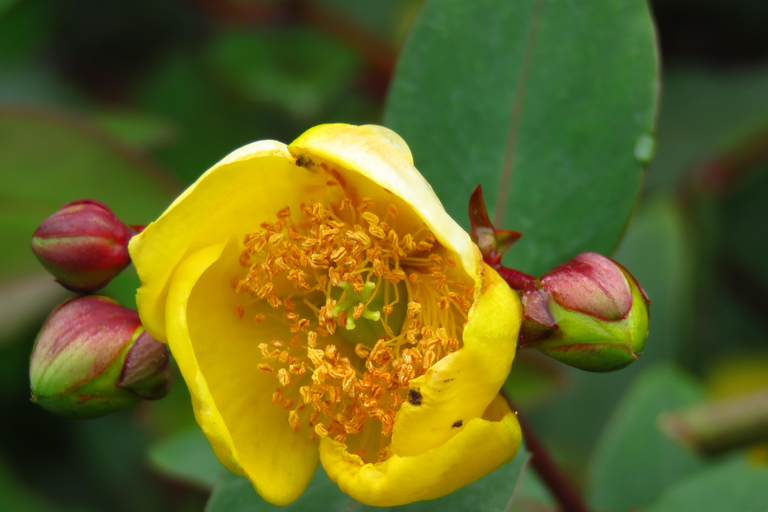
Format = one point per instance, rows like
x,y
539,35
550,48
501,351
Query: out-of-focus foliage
x,y
490,494
186,455
632,449
129,101
728,485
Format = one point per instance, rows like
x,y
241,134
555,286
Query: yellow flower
x,y
322,305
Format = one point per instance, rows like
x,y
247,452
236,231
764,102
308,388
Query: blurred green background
x,y
128,102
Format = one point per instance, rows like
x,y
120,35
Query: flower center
x,y
363,307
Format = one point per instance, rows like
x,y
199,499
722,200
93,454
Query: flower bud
x,y
83,245
589,313
93,357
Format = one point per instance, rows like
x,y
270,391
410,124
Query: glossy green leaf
x,y
567,90
733,485
634,462
186,456
492,493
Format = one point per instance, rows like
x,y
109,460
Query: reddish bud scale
x,y
493,243
591,284
83,245
145,371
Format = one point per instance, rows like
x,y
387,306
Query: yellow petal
x,y
461,385
380,155
217,354
482,445
251,184
233,197
186,297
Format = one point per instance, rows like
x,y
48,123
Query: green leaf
x,y
634,462
49,160
236,494
111,450
568,90
534,379
493,493
530,494
186,456
732,485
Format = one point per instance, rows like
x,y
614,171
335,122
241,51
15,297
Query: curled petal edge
x,y
460,386
483,445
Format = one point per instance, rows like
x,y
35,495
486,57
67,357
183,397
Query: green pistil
x,y
352,299
370,327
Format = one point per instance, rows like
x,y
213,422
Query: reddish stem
x,y
515,279
548,470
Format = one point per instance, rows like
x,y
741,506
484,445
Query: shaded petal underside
x,y
218,353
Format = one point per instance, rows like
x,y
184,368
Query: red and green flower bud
x,y
589,313
83,245
93,357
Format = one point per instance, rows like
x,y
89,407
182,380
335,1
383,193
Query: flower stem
x,y
515,279
548,470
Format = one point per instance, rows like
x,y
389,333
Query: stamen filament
x,y
400,297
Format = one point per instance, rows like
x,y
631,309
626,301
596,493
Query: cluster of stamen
x,y
334,271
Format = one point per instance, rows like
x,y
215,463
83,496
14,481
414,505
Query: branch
x,y
716,427
548,470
